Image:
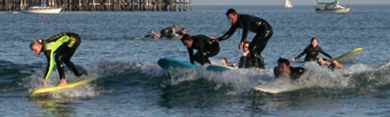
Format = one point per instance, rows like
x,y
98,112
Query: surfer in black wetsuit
x,y
246,60
63,45
169,32
284,69
248,23
312,52
205,48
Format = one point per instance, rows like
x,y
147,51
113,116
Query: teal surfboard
x,y
219,68
169,63
347,55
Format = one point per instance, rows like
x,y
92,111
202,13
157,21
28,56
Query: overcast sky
x,y
281,2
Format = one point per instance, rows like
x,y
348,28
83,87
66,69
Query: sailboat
x,y
288,4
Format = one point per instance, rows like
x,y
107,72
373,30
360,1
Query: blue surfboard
x,y
169,63
219,68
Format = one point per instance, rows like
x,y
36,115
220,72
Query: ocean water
x,y
132,84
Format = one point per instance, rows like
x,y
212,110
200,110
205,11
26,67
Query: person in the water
x,y
247,60
284,69
182,31
312,52
169,32
58,50
204,46
331,65
226,63
248,23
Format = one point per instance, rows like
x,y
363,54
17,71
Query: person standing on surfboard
x,y
58,49
205,48
312,52
248,23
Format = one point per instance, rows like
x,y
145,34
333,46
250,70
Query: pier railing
x,y
101,5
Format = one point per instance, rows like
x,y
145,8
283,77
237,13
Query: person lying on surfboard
x,y
58,50
312,52
284,69
205,48
169,32
248,23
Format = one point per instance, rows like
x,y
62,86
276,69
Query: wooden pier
x,y
101,5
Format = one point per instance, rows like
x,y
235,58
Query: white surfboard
x,y
219,68
276,90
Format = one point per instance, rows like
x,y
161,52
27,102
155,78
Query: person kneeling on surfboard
x,y
63,45
205,48
284,69
312,52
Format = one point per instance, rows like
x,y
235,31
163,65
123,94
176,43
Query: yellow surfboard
x,y
347,55
71,85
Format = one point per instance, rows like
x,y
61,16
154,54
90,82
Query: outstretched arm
x,y
326,54
228,34
299,56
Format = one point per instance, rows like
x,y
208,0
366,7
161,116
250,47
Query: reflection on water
x,y
55,106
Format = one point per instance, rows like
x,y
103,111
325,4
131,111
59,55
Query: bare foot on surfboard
x,y
62,82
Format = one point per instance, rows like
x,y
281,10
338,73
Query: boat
x,y
330,7
41,10
288,4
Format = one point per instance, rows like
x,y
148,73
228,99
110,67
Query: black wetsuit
x,y
246,62
295,72
169,32
180,33
254,24
205,47
312,53
64,46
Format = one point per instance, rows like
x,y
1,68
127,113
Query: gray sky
x,y
281,2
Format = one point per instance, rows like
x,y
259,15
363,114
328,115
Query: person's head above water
x,y
284,66
36,46
246,46
187,40
176,26
225,62
314,42
232,15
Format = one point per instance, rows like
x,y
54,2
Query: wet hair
x,y
231,11
186,37
183,28
36,42
247,42
223,58
283,60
